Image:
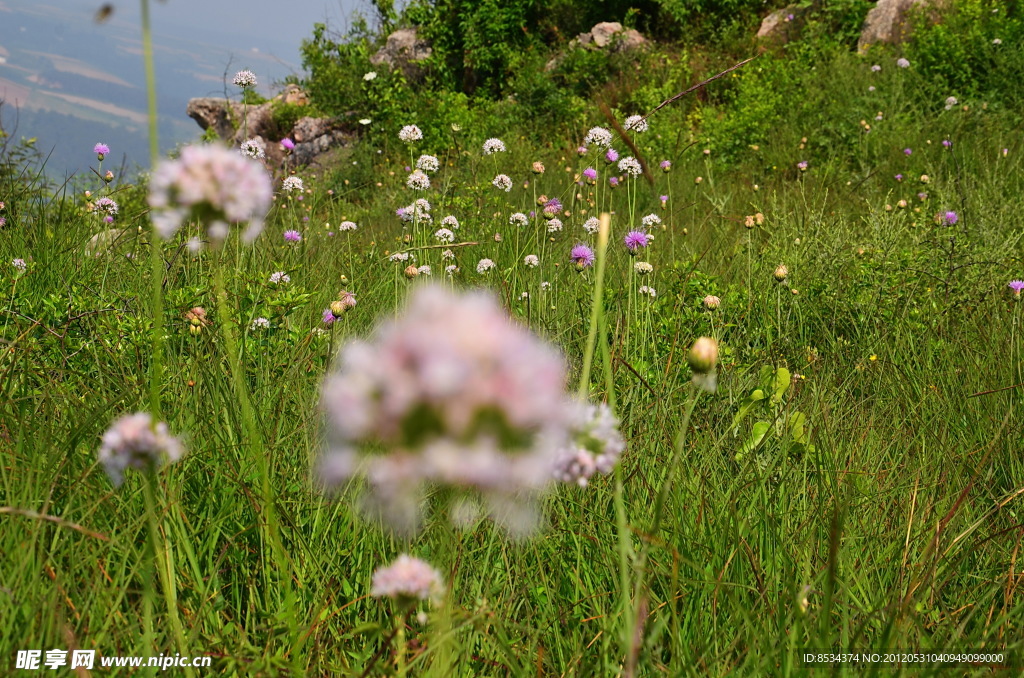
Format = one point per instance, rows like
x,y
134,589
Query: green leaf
x,y
757,436
782,382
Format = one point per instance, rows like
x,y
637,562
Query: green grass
x,y
899,529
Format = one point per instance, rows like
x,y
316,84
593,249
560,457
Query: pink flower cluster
x,y
595,447
407,580
452,393
214,184
133,441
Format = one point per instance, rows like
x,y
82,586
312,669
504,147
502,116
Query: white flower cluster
x,y
450,393
554,225
598,136
347,226
134,441
591,225
450,222
280,278
518,219
636,123
485,265
651,220
444,235
428,163
292,184
254,148
213,183
399,257
410,133
418,180
407,580
259,324
642,267
494,146
105,205
595,446
531,261
630,166
503,182
649,291
245,78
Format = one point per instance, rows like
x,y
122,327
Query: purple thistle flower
x,y
665,165
635,240
1016,286
101,150
288,144
613,181
802,165
292,236
582,150
612,155
946,143
664,198
328,317
899,177
533,213
400,212
950,218
590,173
582,256
907,151
553,205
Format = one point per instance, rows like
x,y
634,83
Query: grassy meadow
x,y
854,482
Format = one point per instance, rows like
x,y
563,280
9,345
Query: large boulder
x,y
404,50
886,22
612,34
780,26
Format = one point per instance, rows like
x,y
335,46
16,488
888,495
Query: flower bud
x,y
108,177
781,273
703,355
411,272
711,302
538,167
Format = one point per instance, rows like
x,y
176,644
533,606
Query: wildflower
x,y
642,268
613,182
213,183
702,359
946,143
364,122
582,150
598,136
630,166
531,261
595,445
259,324
410,133
635,240
664,201
711,302
590,174
444,235
135,441
582,256
518,219
648,291
105,205
494,146
949,218
428,163
902,63
347,226
292,236
245,79
545,285
451,393
898,177
253,148
636,123
901,204
665,165
781,273
950,102
537,167
922,196
997,41
451,270
108,176
328,316
907,151
552,207
651,220
418,180
407,580
1016,286
802,165
611,155
411,271
871,88
19,265
450,222
485,265
425,270
399,257
288,145
591,225
497,237
447,255
925,179
346,301
371,75
292,184
503,182
554,225
876,68
101,150
279,278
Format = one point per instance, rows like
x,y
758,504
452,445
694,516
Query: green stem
x,y
597,306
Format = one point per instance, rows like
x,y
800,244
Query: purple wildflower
x,y
899,177
612,155
328,316
292,236
1016,286
101,150
666,165
946,143
582,150
288,144
635,240
613,181
950,218
582,256
907,151
802,165
553,205
590,173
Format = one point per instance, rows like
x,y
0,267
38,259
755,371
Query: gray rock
x,y
216,113
403,50
778,27
611,33
886,21
106,241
